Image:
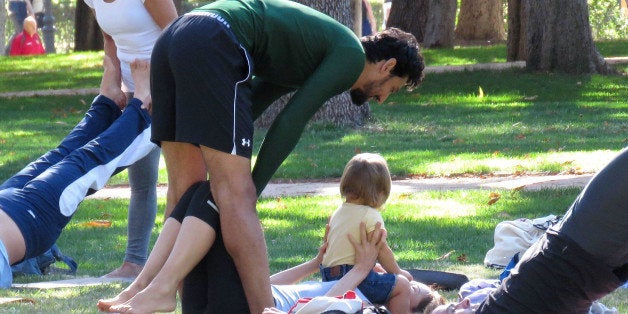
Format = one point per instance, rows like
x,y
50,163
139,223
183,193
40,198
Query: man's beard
x,y
358,97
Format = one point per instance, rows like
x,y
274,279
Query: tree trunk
x,y
88,35
410,16
515,42
556,36
432,22
441,20
481,20
3,23
338,110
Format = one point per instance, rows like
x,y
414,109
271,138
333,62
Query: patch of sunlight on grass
x,y
583,161
578,162
426,207
64,293
18,133
353,137
276,223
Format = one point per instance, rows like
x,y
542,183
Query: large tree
x,y
338,110
3,23
553,36
432,22
481,20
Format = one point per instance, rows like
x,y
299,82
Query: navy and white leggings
x,y
43,196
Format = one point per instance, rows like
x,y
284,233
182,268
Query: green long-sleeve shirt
x,y
293,48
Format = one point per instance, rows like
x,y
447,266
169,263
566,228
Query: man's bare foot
x,y
140,71
126,270
150,300
104,305
110,83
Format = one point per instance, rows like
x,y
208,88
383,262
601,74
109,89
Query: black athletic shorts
x,y
198,202
201,86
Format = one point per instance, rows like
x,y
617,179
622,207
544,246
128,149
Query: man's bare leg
x,y
235,195
185,166
140,71
193,242
156,260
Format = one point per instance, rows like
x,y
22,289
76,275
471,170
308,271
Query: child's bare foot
x,y
104,305
140,71
150,300
110,83
126,270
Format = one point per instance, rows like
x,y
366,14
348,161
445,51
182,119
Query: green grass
x,y
422,227
83,70
519,123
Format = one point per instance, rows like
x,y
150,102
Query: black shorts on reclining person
x,y
213,286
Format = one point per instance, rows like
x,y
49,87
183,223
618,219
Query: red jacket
x,y
25,44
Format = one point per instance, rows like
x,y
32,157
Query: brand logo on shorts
x,y
246,142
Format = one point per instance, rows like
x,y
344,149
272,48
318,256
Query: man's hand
x,y
367,249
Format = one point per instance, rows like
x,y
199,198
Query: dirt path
x,y
399,186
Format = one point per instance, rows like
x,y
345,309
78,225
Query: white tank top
x,y
132,28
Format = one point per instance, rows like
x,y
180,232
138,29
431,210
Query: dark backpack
x,y
41,265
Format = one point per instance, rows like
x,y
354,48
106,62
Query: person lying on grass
x,y
213,284
577,261
37,202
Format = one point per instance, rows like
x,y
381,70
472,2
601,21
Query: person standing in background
x,y
27,42
38,11
130,29
386,10
369,24
18,11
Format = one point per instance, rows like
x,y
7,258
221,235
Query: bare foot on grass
x,y
110,83
126,270
104,305
140,71
150,300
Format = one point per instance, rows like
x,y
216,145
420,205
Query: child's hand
x,y
406,274
379,269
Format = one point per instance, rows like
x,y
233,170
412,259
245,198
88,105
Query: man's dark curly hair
x,y
395,43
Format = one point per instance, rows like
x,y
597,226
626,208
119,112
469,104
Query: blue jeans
x,y
17,12
376,287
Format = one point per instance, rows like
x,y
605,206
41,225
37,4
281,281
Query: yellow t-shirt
x,y
346,220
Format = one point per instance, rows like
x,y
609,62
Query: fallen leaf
x,y
493,198
98,223
480,92
462,258
446,255
357,150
